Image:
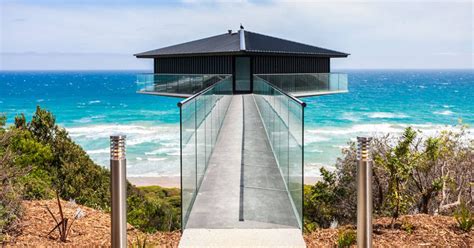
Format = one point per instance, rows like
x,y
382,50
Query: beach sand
x,y
174,182
166,182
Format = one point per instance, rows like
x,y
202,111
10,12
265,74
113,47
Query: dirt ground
x,y
410,231
93,230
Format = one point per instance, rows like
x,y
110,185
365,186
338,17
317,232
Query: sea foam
x,y
387,115
444,112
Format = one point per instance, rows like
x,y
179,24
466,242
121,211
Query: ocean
x,y
92,105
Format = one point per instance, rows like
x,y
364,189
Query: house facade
x,y
241,54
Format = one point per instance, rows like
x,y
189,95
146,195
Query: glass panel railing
x,y
282,116
175,84
303,85
201,117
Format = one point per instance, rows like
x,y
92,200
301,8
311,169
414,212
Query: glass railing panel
x,y
343,82
200,137
175,84
282,116
295,151
310,84
188,158
202,116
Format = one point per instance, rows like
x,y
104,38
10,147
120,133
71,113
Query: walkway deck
x,y
242,189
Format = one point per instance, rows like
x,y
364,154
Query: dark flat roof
x,y
229,43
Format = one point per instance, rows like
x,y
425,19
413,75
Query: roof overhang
x,y
250,53
241,43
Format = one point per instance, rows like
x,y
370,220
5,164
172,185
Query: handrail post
x,y
118,188
364,193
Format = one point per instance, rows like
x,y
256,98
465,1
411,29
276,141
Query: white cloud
x,y
376,34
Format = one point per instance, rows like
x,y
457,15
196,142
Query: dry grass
x,y
411,231
93,230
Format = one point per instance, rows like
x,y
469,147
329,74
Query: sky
x,y
104,35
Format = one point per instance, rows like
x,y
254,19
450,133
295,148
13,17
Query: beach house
x,y
242,129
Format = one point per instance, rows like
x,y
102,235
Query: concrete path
x,y
242,238
242,200
217,203
266,199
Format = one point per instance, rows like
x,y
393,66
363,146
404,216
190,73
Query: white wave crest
x,y
156,159
383,128
315,139
444,112
136,134
387,115
98,151
171,151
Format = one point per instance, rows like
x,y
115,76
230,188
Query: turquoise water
x,y
94,105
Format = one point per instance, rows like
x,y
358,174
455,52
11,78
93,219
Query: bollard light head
x,y
363,148
117,147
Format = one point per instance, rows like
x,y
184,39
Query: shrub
x,y
411,173
398,163
464,218
320,200
20,154
37,184
42,159
154,208
346,238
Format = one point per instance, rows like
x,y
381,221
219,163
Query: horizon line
x,y
342,68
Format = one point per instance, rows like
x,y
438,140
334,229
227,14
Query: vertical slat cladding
x,y
223,65
290,64
194,65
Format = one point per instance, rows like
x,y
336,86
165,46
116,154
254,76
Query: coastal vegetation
x,y
416,177
412,173
38,159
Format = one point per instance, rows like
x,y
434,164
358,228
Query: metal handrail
x,y
297,73
284,93
181,103
183,74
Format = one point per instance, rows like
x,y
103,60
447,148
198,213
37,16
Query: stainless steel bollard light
x,y
118,188
364,193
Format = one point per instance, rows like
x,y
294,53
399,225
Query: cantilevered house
x,y
242,125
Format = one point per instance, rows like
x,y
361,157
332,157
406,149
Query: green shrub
x,y
346,238
154,208
42,159
464,218
21,156
320,203
37,185
411,173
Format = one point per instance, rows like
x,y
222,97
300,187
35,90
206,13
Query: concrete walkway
x,y
242,238
266,199
217,203
242,200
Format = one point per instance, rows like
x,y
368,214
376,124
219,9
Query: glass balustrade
x,y
174,84
304,85
283,118
201,117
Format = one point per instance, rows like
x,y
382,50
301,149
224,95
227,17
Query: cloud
x,y
376,34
